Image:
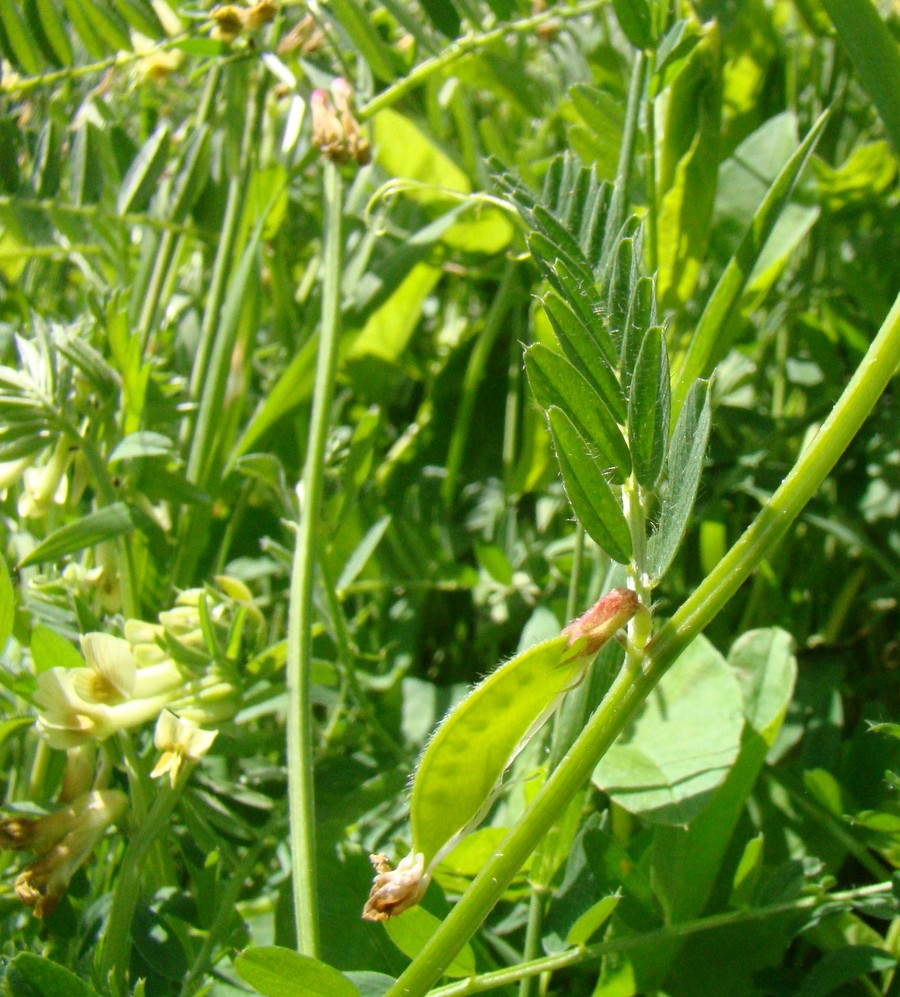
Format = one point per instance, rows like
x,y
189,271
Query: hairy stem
x,y
299,650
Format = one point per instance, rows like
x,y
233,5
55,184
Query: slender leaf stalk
x,y
462,47
493,323
214,351
592,953
625,165
634,684
299,650
116,951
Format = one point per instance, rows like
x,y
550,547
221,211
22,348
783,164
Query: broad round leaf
x,y
682,745
279,972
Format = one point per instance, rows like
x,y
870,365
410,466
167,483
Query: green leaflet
x,y
591,497
557,382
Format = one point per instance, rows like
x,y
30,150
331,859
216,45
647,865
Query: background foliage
x,y
162,264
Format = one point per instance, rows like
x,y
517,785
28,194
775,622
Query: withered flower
x,y
64,840
335,129
395,890
603,619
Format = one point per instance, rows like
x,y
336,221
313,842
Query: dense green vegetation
x,y
351,349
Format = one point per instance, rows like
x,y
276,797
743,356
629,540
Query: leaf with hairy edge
x,y
556,382
589,494
641,316
579,343
648,409
686,453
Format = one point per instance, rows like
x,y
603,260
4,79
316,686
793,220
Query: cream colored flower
x,y
179,740
111,693
47,484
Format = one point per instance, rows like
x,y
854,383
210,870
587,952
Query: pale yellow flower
x,y
179,740
111,693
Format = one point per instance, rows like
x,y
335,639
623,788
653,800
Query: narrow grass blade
x,y
726,296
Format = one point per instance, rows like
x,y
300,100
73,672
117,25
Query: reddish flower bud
x,y
609,614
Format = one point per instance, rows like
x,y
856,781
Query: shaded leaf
x,y
682,745
634,19
7,604
687,452
30,975
144,173
281,972
104,524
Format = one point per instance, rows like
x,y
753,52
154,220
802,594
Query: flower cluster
x,y
128,681
172,671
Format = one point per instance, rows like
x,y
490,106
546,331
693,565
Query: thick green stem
x,y
299,651
537,900
632,686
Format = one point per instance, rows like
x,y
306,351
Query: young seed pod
x,y
461,768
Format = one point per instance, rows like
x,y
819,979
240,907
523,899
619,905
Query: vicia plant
x,y
605,389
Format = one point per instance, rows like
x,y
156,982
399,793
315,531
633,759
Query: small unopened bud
x,y
395,890
600,623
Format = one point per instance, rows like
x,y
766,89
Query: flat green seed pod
x,y
460,770
464,761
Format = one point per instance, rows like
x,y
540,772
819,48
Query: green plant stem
x,y
462,47
217,931
651,224
116,950
875,57
107,493
299,650
474,376
216,346
593,953
633,684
